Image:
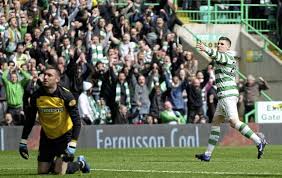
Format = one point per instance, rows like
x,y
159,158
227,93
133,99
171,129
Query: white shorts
x,y
227,107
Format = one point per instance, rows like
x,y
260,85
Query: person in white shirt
x,y
87,106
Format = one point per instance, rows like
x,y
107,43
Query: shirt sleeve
x,y
219,57
30,117
71,105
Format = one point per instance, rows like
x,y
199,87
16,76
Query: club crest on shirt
x,y
72,103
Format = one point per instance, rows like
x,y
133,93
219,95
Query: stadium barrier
x,y
145,136
220,13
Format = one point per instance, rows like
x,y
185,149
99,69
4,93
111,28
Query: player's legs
x,y
60,166
214,133
43,167
244,129
45,156
230,107
73,167
49,149
79,164
57,166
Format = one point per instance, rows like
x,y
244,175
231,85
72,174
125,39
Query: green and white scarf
x,y
100,82
94,107
97,53
66,54
127,92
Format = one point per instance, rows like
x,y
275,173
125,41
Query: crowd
x,y
123,64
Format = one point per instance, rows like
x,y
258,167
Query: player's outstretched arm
x,y
201,46
220,57
29,122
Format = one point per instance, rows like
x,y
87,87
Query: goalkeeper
x,y
58,117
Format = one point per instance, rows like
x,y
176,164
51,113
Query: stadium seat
x,y
204,13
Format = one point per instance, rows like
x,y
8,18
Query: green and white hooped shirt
x,y
225,73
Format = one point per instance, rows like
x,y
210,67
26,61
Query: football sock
x,y
213,139
245,130
73,167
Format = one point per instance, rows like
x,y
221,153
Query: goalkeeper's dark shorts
x,y
51,148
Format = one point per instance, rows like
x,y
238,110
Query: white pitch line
x,y
170,172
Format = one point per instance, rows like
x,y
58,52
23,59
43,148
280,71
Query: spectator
x,y
195,103
126,47
175,90
104,112
96,50
31,87
168,116
121,88
151,120
183,76
87,106
212,100
8,121
3,103
64,78
123,116
161,30
251,91
20,57
14,89
12,36
27,41
191,64
157,102
141,97
205,85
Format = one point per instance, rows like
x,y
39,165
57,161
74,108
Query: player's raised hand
x,y
261,79
201,46
23,149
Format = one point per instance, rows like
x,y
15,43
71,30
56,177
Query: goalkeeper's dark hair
x,y
225,39
54,68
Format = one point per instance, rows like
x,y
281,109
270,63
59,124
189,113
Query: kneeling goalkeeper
x,y
60,122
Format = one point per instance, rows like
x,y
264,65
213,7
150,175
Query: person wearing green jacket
x,y
14,89
168,116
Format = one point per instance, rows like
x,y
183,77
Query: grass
x,y
160,163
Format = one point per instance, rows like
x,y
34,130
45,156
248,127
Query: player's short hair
x,y
225,39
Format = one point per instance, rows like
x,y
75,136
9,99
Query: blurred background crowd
x,y
123,64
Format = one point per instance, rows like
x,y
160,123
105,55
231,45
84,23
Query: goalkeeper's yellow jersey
x,y
57,112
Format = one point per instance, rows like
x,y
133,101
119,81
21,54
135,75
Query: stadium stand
x,y
126,50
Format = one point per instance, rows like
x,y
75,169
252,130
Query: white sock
x,y
245,130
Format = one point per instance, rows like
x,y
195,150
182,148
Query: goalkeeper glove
x,y
23,149
69,152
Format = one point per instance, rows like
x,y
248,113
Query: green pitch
x,y
160,163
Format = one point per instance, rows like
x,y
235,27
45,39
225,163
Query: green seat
x,y
204,13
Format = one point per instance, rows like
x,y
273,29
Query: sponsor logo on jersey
x,y
51,110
